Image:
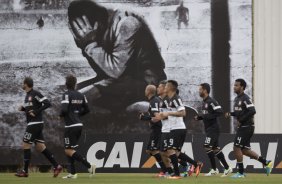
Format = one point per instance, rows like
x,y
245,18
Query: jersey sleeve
x,y
45,103
249,112
215,106
178,104
85,107
64,104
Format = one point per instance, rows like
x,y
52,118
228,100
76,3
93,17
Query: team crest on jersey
x,y
240,103
30,98
206,105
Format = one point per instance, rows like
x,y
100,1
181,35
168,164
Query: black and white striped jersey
x,y
174,105
164,108
37,103
73,106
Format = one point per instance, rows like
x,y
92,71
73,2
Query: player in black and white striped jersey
x,y
175,114
73,106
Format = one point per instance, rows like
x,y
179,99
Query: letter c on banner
x,y
91,154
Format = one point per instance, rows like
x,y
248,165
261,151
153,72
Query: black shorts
x,y
72,136
176,139
211,140
34,134
243,137
155,139
164,141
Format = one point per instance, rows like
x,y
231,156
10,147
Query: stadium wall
x,y
267,65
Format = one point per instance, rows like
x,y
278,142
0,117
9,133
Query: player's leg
x,y
238,145
164,154
219,154
172,153
28,140
253,155
41,147
208,145
153,150
72,136
178,144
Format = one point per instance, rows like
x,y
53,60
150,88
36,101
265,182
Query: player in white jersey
x,y
174,115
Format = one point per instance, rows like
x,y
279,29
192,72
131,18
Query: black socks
x,y
160,162
79,158
27,156
50,157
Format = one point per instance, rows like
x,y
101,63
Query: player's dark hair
x,y
29,82
89,8
163,82
174,84
71,82
206,87
242,83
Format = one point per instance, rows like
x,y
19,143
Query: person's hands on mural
x,y
83,32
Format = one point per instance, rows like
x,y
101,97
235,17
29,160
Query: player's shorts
x,y
33,133
211,140
72,136
164,141
176,139
243,137
154,141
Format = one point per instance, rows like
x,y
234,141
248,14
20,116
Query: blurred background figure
x,y
40,22
182,15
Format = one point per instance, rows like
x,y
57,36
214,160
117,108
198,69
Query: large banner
x,y
126,154
140,42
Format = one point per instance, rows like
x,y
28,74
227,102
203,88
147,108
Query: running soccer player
x,y
211,110
34,105
153,147
74,105
165,127
166,132
178,130
244,111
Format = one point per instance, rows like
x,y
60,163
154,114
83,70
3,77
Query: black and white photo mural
x,y
132,43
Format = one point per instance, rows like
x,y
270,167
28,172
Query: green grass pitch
x,y
46,178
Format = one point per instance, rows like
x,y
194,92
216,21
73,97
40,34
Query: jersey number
x,y
27,135
67,141
239,139
208,140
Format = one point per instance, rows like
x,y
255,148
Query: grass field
x,y
35,178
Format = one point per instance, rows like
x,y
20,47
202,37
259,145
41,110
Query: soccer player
x,y
74,105
34,105
178,130
166,132
211,110
155,136
244,111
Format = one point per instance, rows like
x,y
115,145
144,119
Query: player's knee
x,y
69,152
170,152
154,152
26,146
40,147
